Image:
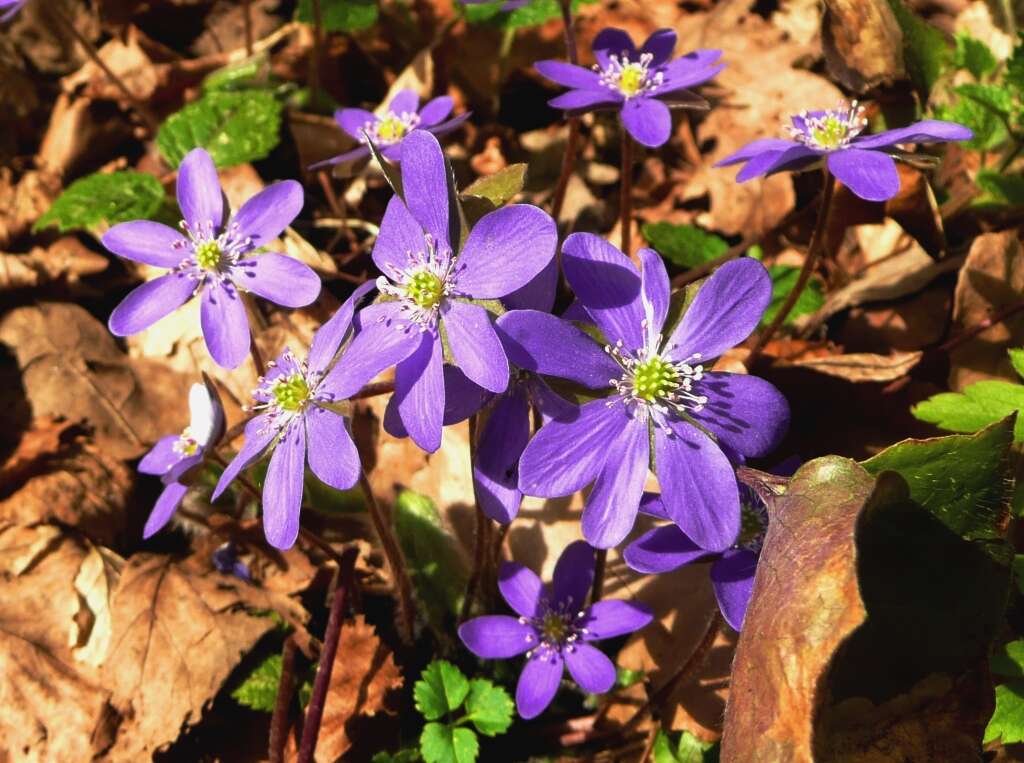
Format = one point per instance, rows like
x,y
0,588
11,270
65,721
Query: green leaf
x,y
989,130
684,245
236,76
99,199
488,193
784,278
446,744
1009,660
341,15
533,14
974,56
979,405
234,127
993,98
689,750
624,677
259,690
402,756
1007,723
489,707
441,689
925,50
1000,187
662,751
1013,76
1017,360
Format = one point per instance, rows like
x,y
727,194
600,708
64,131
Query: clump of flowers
x,y
215,260
554,629
866,164
641,84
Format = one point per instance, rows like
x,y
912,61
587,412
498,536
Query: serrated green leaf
x,y
441,689
488,707
978,406
662,751
402,756
784,278
1013,75
440,743
99,199
535,13
1001,188
234,127
989,130
500,187
1007,723
994,98
684,245
926,52
974,56
341,15
689,749
259,690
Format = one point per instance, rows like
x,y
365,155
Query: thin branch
x,y
247,16
981,326
626,193
600,563
282,707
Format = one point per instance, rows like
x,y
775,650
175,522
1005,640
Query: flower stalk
x,y
626,193
282,706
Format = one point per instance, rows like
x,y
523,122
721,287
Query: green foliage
x,y
234,127
402,756
259,690
441,743
1007,723
974,56
489,193
926,52
533,14
237,76
684,245
341,15
993,98
95,200
784,278
488,707
689,749
624,677
989,130
1000,187
441,689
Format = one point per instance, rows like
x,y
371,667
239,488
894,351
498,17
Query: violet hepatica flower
x,y
174,455
641,84
10,7
298,421
658,393
388,132
213,260
554,629
863,163
434,288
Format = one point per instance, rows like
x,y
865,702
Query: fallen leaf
x,y
36,445
863,43
22,203
864,366
67,260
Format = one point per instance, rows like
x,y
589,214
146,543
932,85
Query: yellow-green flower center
x,y
631,80
654,378
208,255
291,393
391,129
554,628
830,133
425,289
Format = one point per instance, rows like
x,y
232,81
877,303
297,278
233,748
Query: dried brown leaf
x,y
36,445
863,43
66,260
864,366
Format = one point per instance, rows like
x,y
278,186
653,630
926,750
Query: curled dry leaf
x,y
40,442
863,43
21,204
66,260
864,366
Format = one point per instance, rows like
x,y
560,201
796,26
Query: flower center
x,y
186,444
392,128
554,627
425,289
829,130
654,378
290,392
208,255
422,285
656,386
558,627
630,78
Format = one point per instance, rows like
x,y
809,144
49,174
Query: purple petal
x,y
354,121
660,45
225,325
538,683
549,404
733,579
698,486
184,465
612,617
726,309
567,454
590,668
569,75
282,489
496,637
648,120
405,102
161,457
150,302
746,413
419,393
425,181
382,341
258,435
446,127
793,158
662,549
462,398
147,242
691,66
756,148
871,175
329,337
399,237
611,507
612,42
278,278
655,291
927,131
544,344
538,294
652,505
199,195
434,111
608,285
265,216
679,78
360,152
502,441
585,100
164,508
333,457
474,345
573,576
505,249
521,588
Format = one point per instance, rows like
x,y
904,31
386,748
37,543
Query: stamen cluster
x,y
753,523
285,397
423,285
391,128
210,256
187,444
829,130
557,628
630,78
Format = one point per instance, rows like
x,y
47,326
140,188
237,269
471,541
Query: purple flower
x,y
553,629
226,560
298,421
641,84
435,290
389,132
863,163
658,394
214,260
175,455
12,6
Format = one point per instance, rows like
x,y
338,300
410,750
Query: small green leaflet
x,y
974,56
259,690
1000,187
688,750
95,200
402,756
989,130
489,707
684,245
441,689
784,278
234,127
535,13
925,51
1007,723
341,15
447,744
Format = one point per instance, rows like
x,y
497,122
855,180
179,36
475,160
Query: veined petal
x,y
662,549
926,131
199,195
609,618
405,102
332,455
578,101
746,413
383,340
360,152
612,505
648,120
590,668
655,291
265,216
496,470
756,148
732,577
278,278
150,302
161,457
794,158
538,683
569,75
282,489
225,325
428,187
258,435
871,175
330,336
435,111
521,588
164,508
573,576
474,344
495,637
147,242
400,235
354,121
419,393
612,41
682,77
660,45
538,293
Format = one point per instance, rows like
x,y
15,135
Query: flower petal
x,y
475,346
648,120
590,668
733,579
199,195
660,45
147,242
538,683
573,576
612,41
406,101
150,302
400,236
613,617
505,249
578,101
652,505
662,549
538,293
382,340
496,637
521,588
333,457
548,403
427,186
435,111
608,286
926,131
746,413
794,158
206,413
278,278
419,393
726,309
161,457
756,148
678,77
569,75
282,489
225,325
448,125
698,486
164,508
330,336
265,216
258,435
360,152
871,175
495,471
462,397
655,291
354,121
611,507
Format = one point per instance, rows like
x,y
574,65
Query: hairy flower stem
x,y
257,359
318,699
374,389
396,561
626,193
573,139
813,252
597,587
247,18
282,706
482,526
